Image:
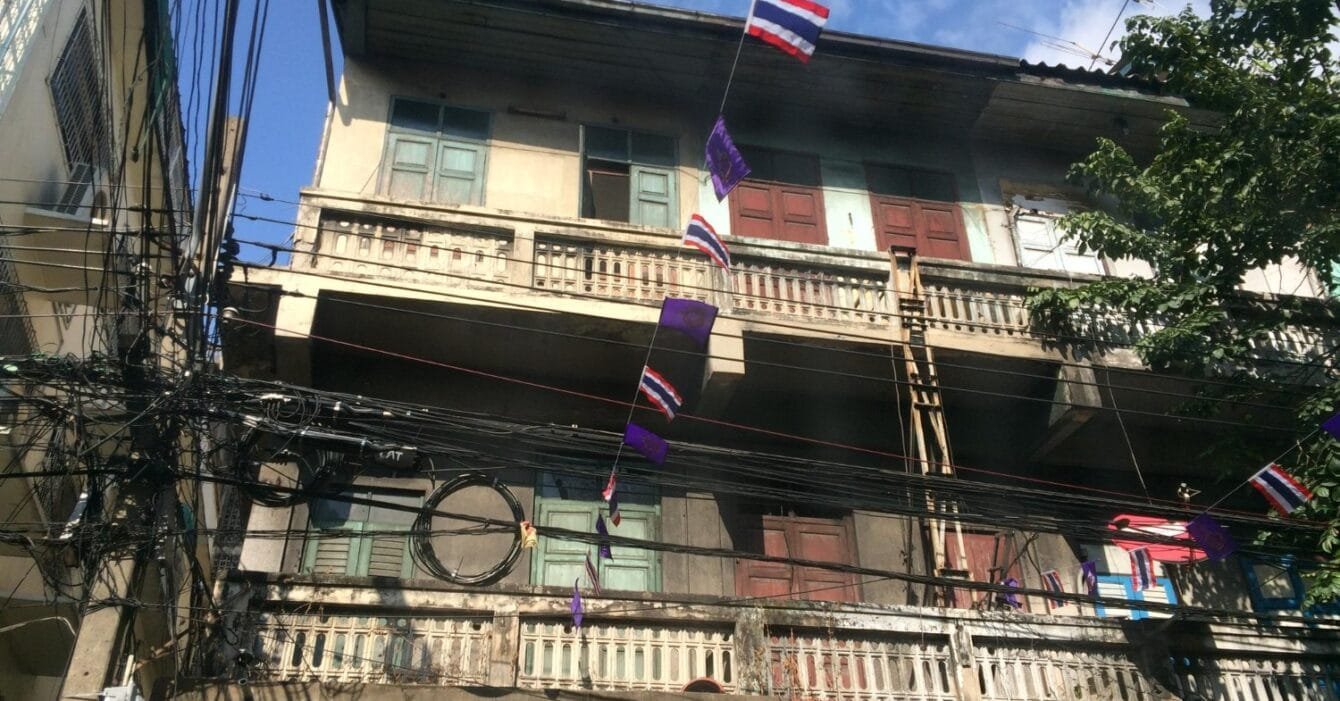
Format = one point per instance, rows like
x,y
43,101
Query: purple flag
x,y
691,317
1212,537
724,161
604,540
651,446
577,611
1090,573
1009,598
1332,426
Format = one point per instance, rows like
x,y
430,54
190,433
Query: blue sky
x,y
290,106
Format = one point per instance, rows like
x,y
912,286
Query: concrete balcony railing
x,y
784,282
296,628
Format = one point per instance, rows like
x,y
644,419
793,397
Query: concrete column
x,y
505,647
97,649
521,268
1076,402
293,349
725,367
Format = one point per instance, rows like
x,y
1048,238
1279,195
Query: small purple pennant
x,y
650,445
1212,537
577,610
1089,571
724,161
1332,426
690,317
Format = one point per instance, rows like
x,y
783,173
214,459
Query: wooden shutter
x,y
896,220
783,200
559,562
942,226
653,196
991,558
410,167
633,569
802,215
460,170
385,555
329,556
826,541
809,538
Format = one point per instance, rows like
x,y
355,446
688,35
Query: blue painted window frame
x,y
1132,595
1261,602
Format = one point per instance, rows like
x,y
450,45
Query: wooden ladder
x,y
928,443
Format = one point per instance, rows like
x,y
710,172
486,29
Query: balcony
x,y
425,633
973,306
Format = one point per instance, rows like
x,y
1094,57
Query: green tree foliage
x,y
1259,185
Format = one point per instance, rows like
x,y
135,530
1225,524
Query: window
x,y
77,96
990,557
376,554
19,22
574,503
1042,244
436,153
781,199
1119,586
918,210
1272,585
629,177
825,539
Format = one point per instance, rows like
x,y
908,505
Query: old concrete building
x,y
493,221
92,191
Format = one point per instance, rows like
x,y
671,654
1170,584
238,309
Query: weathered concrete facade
x,y
512,283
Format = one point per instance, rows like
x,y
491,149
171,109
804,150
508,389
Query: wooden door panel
x,y
943,232
896,223
802,217
824,540
754,200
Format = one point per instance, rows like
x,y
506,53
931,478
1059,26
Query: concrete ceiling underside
x,y
660,54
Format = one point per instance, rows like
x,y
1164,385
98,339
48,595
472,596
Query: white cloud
x,y
1075,34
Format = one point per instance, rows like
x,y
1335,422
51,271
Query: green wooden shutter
x,y
634,569
558,562
460,173
410,167
329,556
653,196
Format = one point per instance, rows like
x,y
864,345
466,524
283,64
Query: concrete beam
x,y
725,367
1076,401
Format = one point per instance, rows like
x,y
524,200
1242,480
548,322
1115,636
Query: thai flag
x,y
660,392
608,492
592,575
1142,570
703,237
1051,580
1280,488
790,25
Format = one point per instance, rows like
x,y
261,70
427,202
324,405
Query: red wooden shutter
x,y
802,215
753,209
991,559
896,221
825,540
942,227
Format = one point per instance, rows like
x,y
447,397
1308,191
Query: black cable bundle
x,y
421,544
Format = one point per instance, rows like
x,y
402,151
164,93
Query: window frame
x,y
917,205
1261,602
777,190
544,503
671,173
798,587
1134,614
437,141
1053,224
358,561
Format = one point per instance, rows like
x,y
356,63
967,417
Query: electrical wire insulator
x,y
421,541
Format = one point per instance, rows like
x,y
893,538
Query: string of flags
x,y
793,27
